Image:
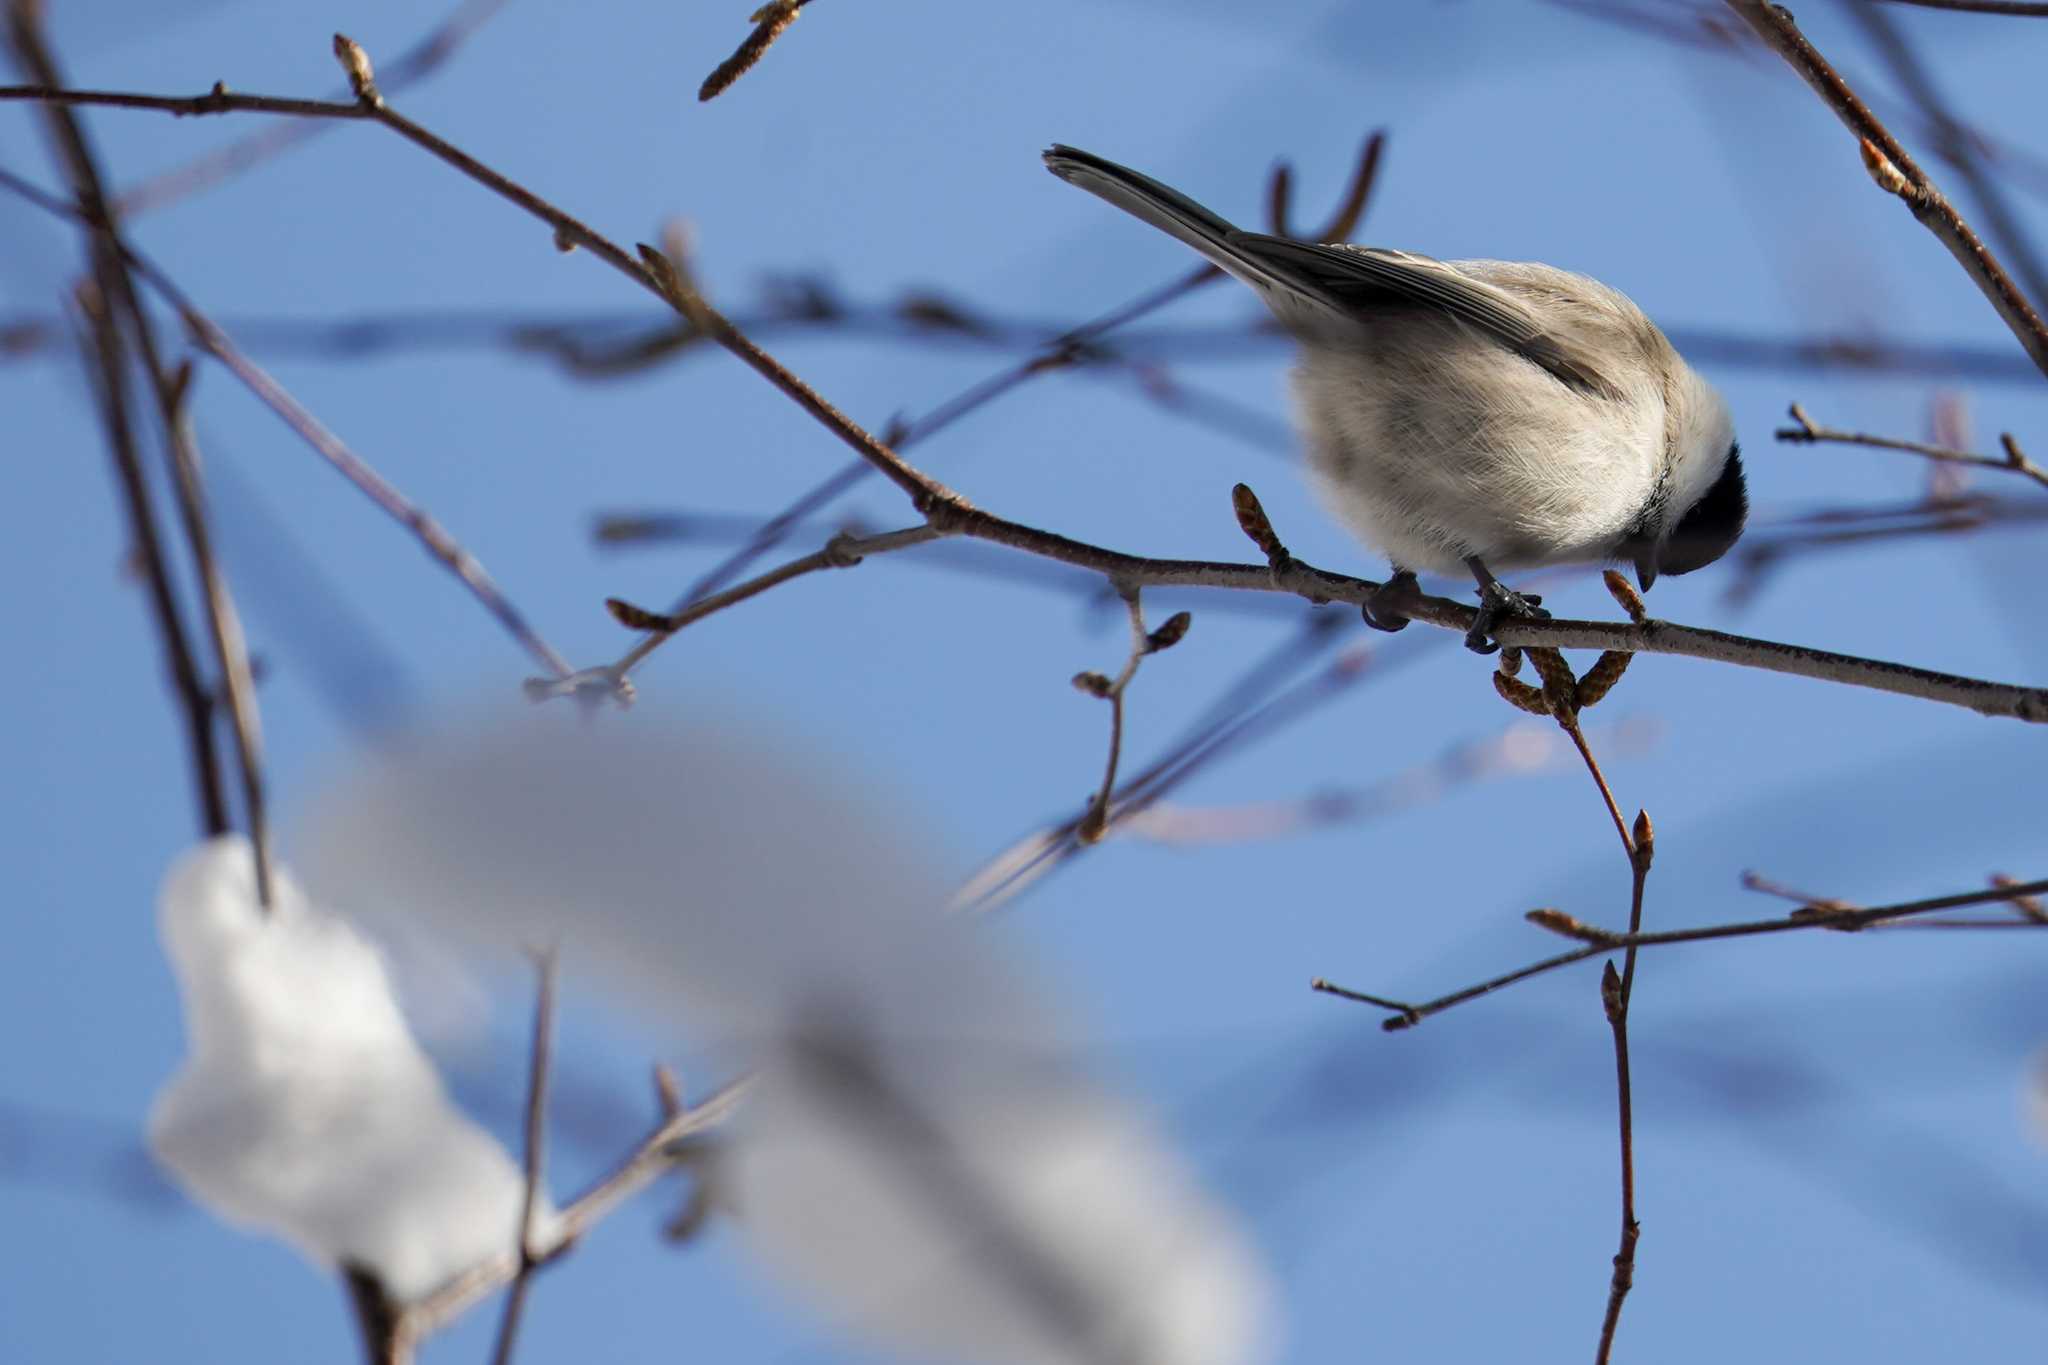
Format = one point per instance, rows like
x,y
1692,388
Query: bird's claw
x,y
1383,610
1496,603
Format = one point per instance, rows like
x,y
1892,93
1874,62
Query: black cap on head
x,y
1710,526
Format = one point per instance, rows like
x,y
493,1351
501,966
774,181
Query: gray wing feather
x,y
1362,278
1303,282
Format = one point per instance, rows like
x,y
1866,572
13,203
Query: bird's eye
x,y
1711,525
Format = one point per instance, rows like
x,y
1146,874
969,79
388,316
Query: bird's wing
x,y
1355,278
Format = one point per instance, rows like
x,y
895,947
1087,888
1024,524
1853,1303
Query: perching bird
x,y
1476,415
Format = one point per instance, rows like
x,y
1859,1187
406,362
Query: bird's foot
x,y
1383,611
1497,602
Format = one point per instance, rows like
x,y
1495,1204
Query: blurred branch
x,y
1519,748
204,172
536,1156
599,345
652,1158
209,337
1810,433
1846,528
1599,941
116,292
2028,8
1245,709
1898,174
107,368
436,540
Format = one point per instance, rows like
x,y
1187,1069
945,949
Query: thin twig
x,y
1808,432
1900,175
1095,822
648,1161
1562,696
536,1155
1954,144
2026,8
216,342
1241,713
841,552
1599,941
769,21
223,163
1616,993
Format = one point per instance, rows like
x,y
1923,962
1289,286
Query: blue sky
x,y
1833,1154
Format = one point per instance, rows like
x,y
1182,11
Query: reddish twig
x,y
1898,174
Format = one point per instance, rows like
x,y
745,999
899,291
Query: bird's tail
x,y
1230,250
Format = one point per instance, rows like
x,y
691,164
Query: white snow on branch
x,y
925,1150
305,1108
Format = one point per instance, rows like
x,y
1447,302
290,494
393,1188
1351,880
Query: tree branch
x,y
1898,174
536,1157
1808,432
1599,941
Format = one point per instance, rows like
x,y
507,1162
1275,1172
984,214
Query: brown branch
x,y
843,551
116,287
1899,174
769,21
204,172
1954,144
1562,696
1808,432
1599,941
1615,995
1095,822
108,368
536,1157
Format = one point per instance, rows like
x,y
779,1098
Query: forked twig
x,y
1809,432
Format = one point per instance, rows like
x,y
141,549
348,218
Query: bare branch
x,y
116,286
1606,940
1954,144
1096,821
536,1156
204,172
841,552
1808,432
1900,175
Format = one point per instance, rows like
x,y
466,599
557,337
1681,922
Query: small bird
x,y
1467,416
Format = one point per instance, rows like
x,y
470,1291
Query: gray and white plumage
x,y
1508,412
